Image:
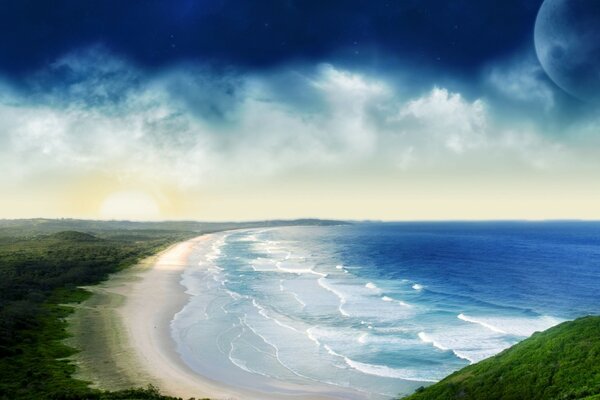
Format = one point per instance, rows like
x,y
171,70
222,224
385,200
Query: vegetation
x,y
39,275
37,226
560,363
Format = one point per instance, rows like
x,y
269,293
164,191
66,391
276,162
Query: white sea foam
x,y
267,302
325,285
311,336
471,341
482,323
390,300
298,299
234,295
394,329
387,372
263,311
274,346
263,265
270,343
216,248
241,364
425,338
517,326
298,271
248,238
332,352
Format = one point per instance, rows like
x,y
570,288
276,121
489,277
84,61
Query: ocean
x,y
378,308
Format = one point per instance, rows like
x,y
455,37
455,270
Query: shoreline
x,y
124,334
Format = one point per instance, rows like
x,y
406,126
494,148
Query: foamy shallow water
x,y
291,305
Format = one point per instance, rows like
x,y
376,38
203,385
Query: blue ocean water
x,y
379,308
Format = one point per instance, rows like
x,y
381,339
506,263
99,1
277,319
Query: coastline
x,y
123,332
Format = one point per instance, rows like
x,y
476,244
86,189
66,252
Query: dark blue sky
x,y
457,36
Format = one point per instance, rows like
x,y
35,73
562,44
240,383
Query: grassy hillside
x,y
39,276
562,362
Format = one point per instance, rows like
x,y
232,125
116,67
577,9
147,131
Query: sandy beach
x,y
146,314
124,334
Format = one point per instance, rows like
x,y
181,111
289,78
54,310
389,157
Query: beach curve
x,y
133,311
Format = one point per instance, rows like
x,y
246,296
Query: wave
x,y
516,326
426,339
322,282
387,372
341,268
429,340
274,346
216,248
261,264
298,271
443,327
234,295
482,323
241,364
394,329
248,238
303,304
263,311
372,286
311,336
390,300
372,369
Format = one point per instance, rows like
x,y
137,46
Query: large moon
x,y
567,43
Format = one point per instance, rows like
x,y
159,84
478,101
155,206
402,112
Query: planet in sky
x,y
567,43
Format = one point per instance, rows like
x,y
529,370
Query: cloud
x,y
522,79
446,118
195,127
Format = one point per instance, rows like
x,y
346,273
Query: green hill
x,y
73,236
562,362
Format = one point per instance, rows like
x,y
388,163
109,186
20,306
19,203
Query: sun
x,y
130,205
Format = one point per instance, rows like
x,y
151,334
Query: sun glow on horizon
x,y
130,204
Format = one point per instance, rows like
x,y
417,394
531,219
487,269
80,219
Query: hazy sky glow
x,y
343,129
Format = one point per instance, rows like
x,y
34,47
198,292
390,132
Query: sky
x,y
242,110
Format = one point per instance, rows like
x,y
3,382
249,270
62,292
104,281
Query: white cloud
x,y
522,79
446,118
195,127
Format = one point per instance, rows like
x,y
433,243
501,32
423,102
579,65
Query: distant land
x,y
47,225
